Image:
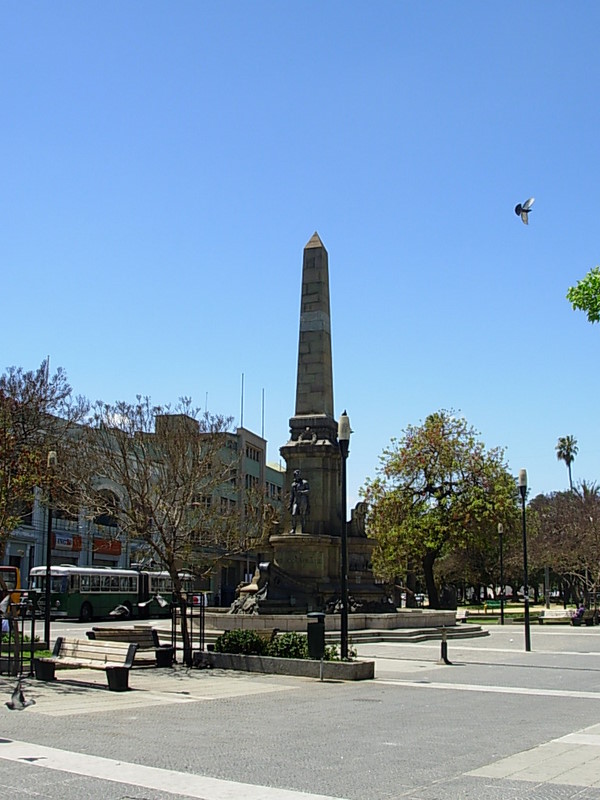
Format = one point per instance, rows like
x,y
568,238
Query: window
x,y
252,453
108,517
60,513
273,491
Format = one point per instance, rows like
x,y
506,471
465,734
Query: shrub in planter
x,y
284,645
288,645
247,643
333,654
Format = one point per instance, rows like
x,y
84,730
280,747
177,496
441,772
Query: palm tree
x,y
566,450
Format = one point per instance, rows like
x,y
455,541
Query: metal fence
x,y
194,607
18,643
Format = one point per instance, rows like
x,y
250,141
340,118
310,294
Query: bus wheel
x,y
85,613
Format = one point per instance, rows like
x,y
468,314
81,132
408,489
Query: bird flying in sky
x,y
17,701
522,209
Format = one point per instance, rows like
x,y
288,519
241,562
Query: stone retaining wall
x,y
405,618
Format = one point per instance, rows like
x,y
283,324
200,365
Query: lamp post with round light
x,y
344,445
523,492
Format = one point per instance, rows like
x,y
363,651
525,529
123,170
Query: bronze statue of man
x,y
299,501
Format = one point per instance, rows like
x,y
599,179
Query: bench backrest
x,y
98,652
556,612
143,637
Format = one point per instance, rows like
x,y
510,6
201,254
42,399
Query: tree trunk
x,y
183,620
432,592
411,588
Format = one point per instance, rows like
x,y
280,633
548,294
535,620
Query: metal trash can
x,y
315,631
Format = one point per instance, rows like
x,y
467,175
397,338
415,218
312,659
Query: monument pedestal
x,y
306,556
304,574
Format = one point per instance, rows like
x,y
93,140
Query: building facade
x,y
79,541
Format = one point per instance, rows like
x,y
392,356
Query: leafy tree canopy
x,y
37,413
437,489
566,450
585,295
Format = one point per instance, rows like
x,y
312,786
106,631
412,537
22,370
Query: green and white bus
x,y
88,593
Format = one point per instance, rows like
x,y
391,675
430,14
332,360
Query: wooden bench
x,y
555,615
145,637
115,658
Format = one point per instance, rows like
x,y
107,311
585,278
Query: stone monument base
x,y
416,618
303,575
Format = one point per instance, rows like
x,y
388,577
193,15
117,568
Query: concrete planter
x,y
305,668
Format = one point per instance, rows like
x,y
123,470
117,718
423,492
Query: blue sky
x,y
164,165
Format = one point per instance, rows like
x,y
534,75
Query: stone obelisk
x,y
304,566
313,447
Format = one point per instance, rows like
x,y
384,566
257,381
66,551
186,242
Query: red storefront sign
x,y
107,547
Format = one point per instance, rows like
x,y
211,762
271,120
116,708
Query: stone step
x,y
374,636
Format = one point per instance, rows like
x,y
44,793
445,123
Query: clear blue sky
x,y
164,165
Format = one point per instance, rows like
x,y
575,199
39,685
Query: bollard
x,y
444,653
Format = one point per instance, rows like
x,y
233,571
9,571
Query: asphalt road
x,y
498,723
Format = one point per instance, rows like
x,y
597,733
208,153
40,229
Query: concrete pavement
x,y
498,723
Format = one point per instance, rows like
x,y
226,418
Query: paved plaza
x,y
497,723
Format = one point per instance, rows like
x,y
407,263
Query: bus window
x,y
85,583
95,585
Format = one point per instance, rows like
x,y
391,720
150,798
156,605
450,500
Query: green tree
x,y
566,450
438,489
585,295
38,413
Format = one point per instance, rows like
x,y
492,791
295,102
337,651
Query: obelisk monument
x,y
303,569
312,448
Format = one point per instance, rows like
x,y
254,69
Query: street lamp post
x,y
523,493
51,464
500,533
344,444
